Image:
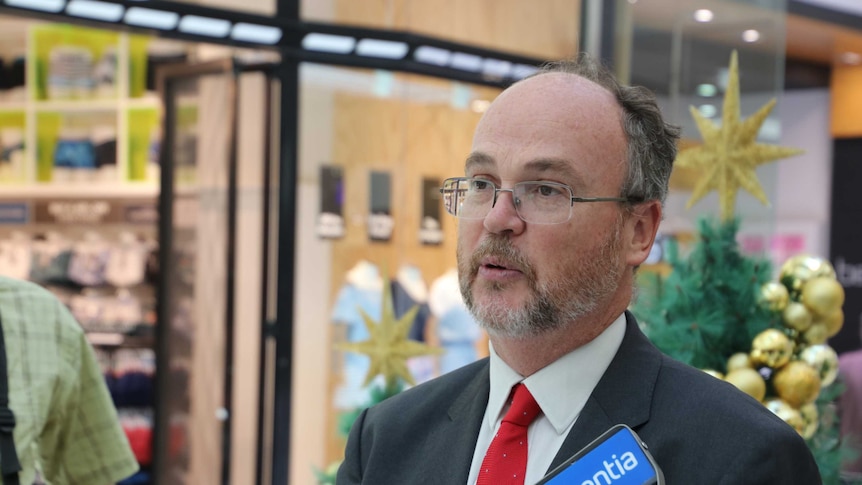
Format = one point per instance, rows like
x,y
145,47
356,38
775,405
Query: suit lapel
x,y
465,418
623,395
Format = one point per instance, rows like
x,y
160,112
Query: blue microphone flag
x,y
617,457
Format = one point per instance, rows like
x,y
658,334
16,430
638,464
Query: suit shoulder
x,y
693,394
433,392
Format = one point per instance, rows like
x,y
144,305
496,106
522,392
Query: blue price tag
x,y
617,457
14,213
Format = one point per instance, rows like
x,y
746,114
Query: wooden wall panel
x,y
846,101
548,29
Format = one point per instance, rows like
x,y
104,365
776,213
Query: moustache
x,y
501,248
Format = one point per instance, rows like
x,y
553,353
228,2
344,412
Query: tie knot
x,y
524,408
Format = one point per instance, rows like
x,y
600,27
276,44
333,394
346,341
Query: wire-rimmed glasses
x,y
539,202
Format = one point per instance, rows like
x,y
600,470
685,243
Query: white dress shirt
x,y
561,389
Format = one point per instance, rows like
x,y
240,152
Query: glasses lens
x,y
543,202
468,198
536,202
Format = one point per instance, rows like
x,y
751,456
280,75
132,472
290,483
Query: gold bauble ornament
x,y
748,381
797,270
774,296
714,373
823,295
771,347
816,334
796,316
797,383
739,360
788,413
810,418
823,359
833,322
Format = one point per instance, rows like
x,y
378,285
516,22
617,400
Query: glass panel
x,y
683,54
547,29
372,143
202,241
196,324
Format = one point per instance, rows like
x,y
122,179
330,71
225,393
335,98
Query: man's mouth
x,y
493,263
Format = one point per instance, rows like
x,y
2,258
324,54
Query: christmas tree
x,y
718,309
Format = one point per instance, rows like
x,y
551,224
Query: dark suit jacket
x,y
701,430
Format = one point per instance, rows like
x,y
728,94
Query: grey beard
x,y
553,305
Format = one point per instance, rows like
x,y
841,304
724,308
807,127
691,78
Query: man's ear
x,y
641,228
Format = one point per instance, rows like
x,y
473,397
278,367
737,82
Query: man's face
x,y
518,278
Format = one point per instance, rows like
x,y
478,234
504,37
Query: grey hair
x,y
652,142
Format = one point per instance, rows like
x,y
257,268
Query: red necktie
x,y
505,462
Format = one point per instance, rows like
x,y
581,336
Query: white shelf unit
x,y
113,112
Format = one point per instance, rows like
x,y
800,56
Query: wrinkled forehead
x,y
554,116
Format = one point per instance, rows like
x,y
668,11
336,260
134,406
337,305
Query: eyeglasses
x,y
535,202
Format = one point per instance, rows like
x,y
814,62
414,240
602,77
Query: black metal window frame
x,y
297,40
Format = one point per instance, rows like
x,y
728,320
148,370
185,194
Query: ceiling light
x,y
703,15
479,105
496,67
262,34
520,71
151,18
432,55
43,5
707,110
93,9
466,62
337,44
706,90
210,27
851,58
385,49
751,35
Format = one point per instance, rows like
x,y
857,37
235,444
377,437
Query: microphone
x,y
617,457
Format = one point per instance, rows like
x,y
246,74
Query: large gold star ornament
x,y
729,155
388,346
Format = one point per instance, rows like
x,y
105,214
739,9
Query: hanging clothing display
x,y
362,290
409,290
456,328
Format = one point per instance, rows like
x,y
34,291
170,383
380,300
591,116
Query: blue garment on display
x,y
50,268
402,302
133,389
421,367
458,333
87,268
75,153
352,392
140,478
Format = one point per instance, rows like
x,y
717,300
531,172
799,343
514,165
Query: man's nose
x,y
503,215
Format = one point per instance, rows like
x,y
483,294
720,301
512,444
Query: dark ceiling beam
x,y
452,60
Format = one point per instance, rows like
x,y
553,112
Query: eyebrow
x,y
558,165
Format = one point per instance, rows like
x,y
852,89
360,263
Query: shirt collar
x,y
563,387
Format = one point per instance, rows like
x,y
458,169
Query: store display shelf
x,y
111,339
12,106
69,190
77,105
149,101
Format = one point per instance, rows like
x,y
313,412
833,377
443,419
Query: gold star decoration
x,y
388,346
729,154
